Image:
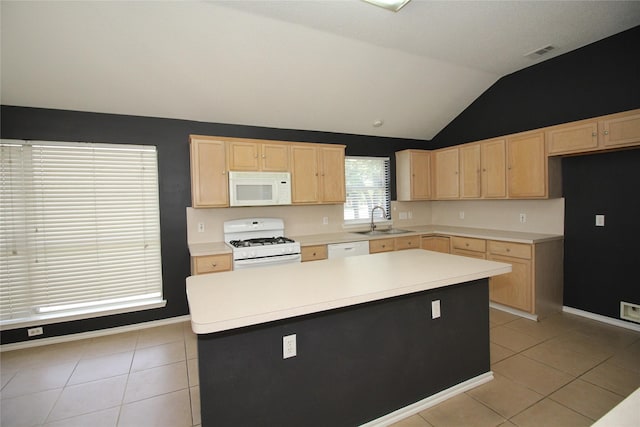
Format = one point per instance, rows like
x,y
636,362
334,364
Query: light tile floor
x,y
563,371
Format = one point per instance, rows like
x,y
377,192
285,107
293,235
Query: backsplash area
x,y
542,216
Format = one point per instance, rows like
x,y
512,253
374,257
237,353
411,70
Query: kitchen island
x,y
368,347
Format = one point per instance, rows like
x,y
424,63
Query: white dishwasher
x,y
343,250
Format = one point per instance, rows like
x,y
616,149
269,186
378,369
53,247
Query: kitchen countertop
x,y
215,248
480,233
229,300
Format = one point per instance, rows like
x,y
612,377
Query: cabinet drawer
x,y
516,250
211,263
381,245
470,254
468,244
314,253
407,242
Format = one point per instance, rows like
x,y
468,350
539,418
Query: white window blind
x,y
79,231
367,185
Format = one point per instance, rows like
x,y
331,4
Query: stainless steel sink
x,y
383,232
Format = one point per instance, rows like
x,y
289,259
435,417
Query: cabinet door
x,y
494,165
274,157
621,131
572,138
526,166
304,174
243,156
470,171
209,183
447,181
436,244
332,174
513,289
420,166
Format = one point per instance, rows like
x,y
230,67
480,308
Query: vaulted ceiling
x,y
325,65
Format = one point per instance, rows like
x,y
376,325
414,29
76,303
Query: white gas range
x,y
259,242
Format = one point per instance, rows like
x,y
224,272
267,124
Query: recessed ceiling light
x,y
393,5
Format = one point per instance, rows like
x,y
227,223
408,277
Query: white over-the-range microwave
x,y
259,188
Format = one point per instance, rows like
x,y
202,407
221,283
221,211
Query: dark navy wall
x,y
601,263
171,138
598,79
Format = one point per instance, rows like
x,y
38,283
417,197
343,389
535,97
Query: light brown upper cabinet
x,y
209,181
470,176
494,165
526,165
600,133
332,181
251,155
446,173
413,175
620,130
317,173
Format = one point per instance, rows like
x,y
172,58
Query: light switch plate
x,y
599,220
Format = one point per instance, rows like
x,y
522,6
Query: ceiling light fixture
x,y
392,5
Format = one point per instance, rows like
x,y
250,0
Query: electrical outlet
x,y
325,220
289,346
32,332
201,227
599,220
435,309
461,214
523,218
403,215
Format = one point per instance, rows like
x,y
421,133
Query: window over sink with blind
x,y
79,231
367,185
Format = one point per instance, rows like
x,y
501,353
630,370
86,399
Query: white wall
x,y
543,216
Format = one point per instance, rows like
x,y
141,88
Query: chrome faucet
x,y
384,215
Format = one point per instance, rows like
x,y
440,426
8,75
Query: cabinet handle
x,y
314,254
594,133
484,170
214,265
223,172
466,244
264,156
606,132
508,250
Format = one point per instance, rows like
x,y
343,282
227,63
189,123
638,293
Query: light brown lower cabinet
x,y
436,244
470,247
211,264
314,253
382,245
535,283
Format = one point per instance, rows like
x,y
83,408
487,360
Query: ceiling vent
x,y
539,52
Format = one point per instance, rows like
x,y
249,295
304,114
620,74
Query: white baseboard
x,y
430,401
601,318
524,314
93,334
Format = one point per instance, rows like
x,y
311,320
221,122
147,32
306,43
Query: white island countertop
x,y
235,299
